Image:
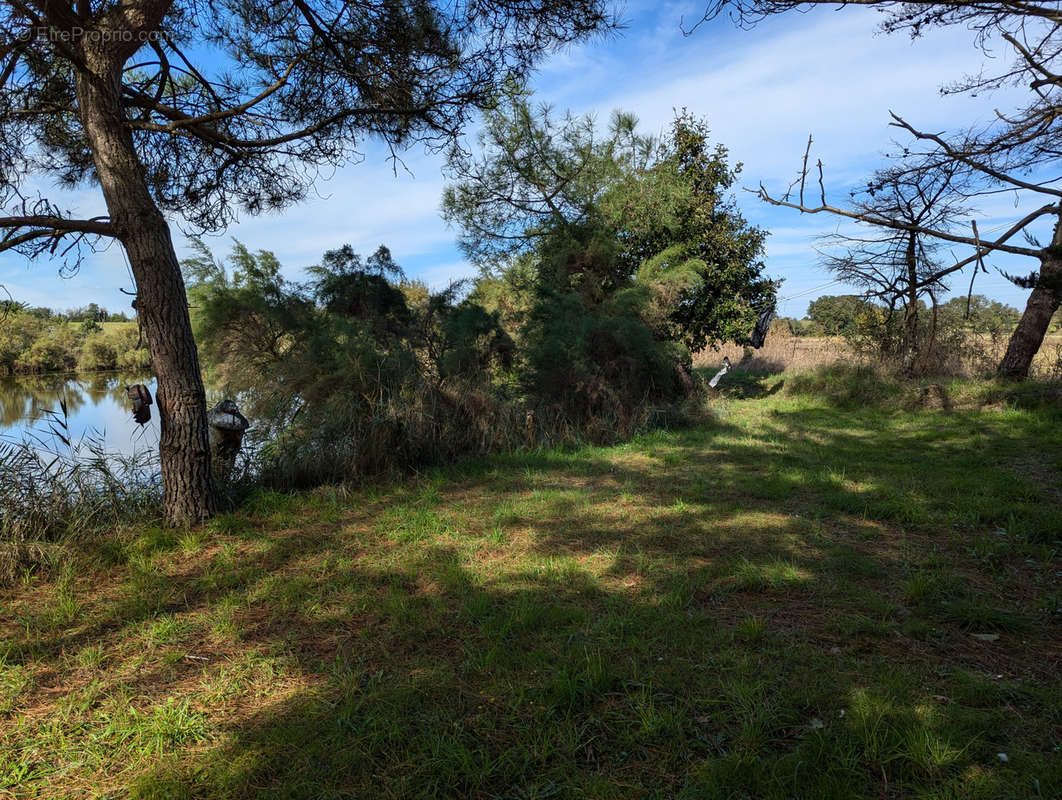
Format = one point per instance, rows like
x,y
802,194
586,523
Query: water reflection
x,y
95,405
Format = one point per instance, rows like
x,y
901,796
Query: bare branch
x,y
98,226
968,158
884,222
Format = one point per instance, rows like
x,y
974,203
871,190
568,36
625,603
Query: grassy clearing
x,y
804,598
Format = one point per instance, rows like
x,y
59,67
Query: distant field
x,y
787,353
793,600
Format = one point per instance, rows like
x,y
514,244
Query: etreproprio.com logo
x,y
94,35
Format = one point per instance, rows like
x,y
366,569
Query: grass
x,y
804,598
784,352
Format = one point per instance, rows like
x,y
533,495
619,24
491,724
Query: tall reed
x,y
55,488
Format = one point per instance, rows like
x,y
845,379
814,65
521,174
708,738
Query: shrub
x,y
358,372
55,350
598,366
31,343
949,342
98,352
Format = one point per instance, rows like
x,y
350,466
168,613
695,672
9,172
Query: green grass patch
x,y
825,592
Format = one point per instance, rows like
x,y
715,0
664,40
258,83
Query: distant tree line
x,y
37,340
838,315
90,313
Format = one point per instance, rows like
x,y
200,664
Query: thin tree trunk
x,y
1042,304
910,338
932,348
161,305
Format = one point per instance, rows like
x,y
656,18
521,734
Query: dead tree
x,y
1019,151
899,266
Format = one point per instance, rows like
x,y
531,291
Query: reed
x,y
56,489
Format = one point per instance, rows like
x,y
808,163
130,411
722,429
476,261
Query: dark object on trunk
x,y
227,426
763,324
720,373
141,398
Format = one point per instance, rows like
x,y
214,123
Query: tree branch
x,y
885,222
968,159
97,226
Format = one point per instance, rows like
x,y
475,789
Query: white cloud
x,y
363,205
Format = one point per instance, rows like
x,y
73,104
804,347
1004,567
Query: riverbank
x,y
814,595
30,345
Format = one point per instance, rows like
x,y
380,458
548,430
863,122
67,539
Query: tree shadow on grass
x,y
694,615
558,686
700,613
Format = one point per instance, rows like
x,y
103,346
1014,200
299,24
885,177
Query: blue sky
x,y
826,72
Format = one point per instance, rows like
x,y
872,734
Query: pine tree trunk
x,y
161,304
1043,303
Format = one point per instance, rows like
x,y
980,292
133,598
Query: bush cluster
x,y
359,370
32,344
605,256
950,340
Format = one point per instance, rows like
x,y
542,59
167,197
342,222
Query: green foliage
x,y
597,363
355,371
34,342
467,339
604,259
685,238
607,256
798,327
981,316
599,213
948,340
837,315
18,332
54,352
346,288
115,347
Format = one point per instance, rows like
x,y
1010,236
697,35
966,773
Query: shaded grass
x,y
797,600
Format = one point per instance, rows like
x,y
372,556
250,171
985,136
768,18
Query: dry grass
x,y
783,352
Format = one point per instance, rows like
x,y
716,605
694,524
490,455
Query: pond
x,y
96,405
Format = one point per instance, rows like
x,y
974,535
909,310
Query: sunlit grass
x,y
791,601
